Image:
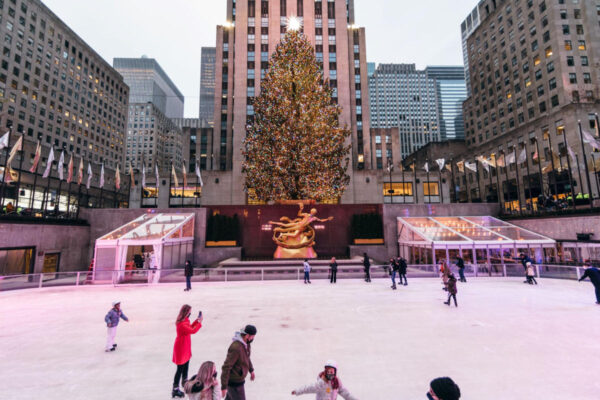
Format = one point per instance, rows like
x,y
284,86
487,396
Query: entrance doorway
x,y
51,263
14,261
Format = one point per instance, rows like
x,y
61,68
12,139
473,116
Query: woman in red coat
x,y
182,350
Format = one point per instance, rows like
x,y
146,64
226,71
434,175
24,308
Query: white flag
x,y
174,175
156,175
589,139
61,162
572,155
49,163
4,140
471,166
102,176
90,175
143,175
440,162
510,158
522,156
426,167
199,175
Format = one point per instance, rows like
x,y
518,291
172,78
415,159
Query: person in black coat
x,y
394,269
333,270
594,274
189,272
460,263
402,267
367,265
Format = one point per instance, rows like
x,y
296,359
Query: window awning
x,y
454,232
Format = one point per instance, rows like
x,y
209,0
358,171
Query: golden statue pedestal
x,y
298,246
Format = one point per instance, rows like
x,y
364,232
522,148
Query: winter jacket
x,y
395,266
594,274
452,286
367,263
529,269
460,263
333,266
306,266
237,364
199,393
189,270
403,266
182,349
324,391
112,318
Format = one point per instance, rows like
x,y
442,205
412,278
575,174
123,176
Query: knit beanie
x,y
249,330
445,388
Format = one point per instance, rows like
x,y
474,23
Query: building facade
x,y
207,84
197,136
402,96
467,27
451,92
535,80
244,45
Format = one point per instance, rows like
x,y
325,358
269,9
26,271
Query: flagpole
x,y
101,187
57,205
129,189
553,169
157,184
69,189
489,171
416,191
22,151
587,171
518,184
47,191
596,174
441,188
579,173
496,169
506,182
564,134
196,194
469,199
478,180
78,199
428,185
539,159
170,181
528,175
403,184
35,175
183,188
452,194
7,151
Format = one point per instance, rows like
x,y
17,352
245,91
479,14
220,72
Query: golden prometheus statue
x,y
296,238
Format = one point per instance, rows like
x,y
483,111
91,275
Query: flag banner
x,y
426,167
461,166
556,160
471,166
143,174
70,170
80,172
522,156
61,163
199,175
412,166
483,162
492,160
90,175
184,175
102,176
175,180
589,139
117,178
4,140
49,163
400,167
18,146
547,168
500,161
510,159
572,155
449,167
440,162
131,176
36,158
156,175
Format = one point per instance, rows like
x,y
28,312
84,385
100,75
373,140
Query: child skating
x,y
452,290
112,319
328,385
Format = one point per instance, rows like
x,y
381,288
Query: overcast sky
x,y
424,32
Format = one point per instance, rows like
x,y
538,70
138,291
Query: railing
x,y
151,277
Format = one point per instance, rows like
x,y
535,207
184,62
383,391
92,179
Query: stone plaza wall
x,y
562,228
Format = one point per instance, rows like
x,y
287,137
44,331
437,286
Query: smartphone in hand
x,y
200,315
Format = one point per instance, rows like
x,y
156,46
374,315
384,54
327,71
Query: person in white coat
x,y
328,385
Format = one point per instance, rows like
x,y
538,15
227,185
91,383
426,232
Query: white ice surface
x,y
506,340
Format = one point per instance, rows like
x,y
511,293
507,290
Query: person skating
x,y
367,266
394,268
182,349
443,389
530,274
238,364
524,260
445,270
112,319
402,270
333,267
306,271
460,263
452,289
328,385
204,385
594,274
189,272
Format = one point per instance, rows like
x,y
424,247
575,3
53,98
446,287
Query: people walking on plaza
x,y
204,385
445,270
452,289
594,274
189,272
367,266
530,273
112,319
394,268
306,271
333,266
237,365
182,349
460,263
403,267
328,385
443,389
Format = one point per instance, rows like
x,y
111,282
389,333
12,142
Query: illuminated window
x,y
581,45
568,45
536,60
399,189
548,52
431,189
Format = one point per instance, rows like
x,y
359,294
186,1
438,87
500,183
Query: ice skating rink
x,y
506,340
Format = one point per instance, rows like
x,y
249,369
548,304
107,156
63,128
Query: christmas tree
x,y
295,147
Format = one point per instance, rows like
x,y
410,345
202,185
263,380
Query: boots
x,y
177,393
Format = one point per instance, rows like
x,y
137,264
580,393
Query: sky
x,y
423,32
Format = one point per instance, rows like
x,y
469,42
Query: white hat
x,y
331,363
115,303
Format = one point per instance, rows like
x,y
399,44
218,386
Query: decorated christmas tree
x,y
295,147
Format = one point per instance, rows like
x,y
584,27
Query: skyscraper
x,y
244,44
451,91
466,28
207,84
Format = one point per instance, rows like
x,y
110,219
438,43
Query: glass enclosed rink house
x,y
478,240
163,241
